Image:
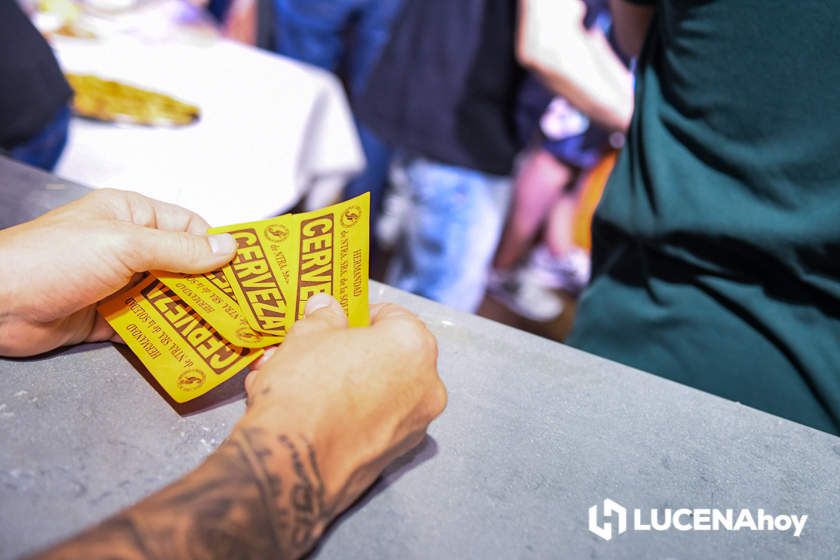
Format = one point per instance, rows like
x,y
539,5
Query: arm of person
x,y
631,20
241,22
574,62
326,414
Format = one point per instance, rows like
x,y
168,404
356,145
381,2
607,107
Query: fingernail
x,y
316,302
269,352
222,243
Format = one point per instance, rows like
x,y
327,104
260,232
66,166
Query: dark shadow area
x,y
486,107
229,391
65,350
723,257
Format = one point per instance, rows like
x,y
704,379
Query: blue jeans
x,y
44,149
318,32
450,232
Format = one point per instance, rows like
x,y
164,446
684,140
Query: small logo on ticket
x,y
191,380
276,233
351,215
247,335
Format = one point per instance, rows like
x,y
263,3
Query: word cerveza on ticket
x,y
183,352
194,332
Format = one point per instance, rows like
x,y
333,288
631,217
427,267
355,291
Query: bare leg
x,y
558,234
537,187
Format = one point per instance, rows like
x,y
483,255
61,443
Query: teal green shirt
x,y
717,243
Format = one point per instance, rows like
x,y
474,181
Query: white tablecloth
x,y
271,131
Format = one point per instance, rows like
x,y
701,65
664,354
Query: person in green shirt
x,y
716,259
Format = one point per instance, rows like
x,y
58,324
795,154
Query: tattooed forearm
x,y
307,497
258,496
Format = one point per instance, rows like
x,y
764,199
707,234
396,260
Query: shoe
x,y
525,297
568,272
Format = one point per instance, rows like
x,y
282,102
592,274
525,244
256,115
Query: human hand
x,y
349,401
327,413
57,267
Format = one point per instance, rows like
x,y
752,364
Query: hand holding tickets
x,y
195,332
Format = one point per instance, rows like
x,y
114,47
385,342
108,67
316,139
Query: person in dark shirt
x,y
344,37
443,94
715,256
34,116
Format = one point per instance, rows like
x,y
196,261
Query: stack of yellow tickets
x,y
195,332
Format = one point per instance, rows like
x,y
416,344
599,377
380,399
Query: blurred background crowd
x,y
483,167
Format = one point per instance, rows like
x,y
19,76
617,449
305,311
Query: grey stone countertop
x,y
534,435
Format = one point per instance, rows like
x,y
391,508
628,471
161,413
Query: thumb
x,y
179,251
323,313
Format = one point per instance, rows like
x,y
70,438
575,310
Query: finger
x,y
250,379
397,324
261,361
170,217
153,213
100,330
323,312
374,309
324,307
144,211
153,249
382,312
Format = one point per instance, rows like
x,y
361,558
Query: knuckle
x,y
439,398
431,345
128,245
395,311
101,194
104,193
188,248
298,328
330,315
108,196
303,327
250,379
414,337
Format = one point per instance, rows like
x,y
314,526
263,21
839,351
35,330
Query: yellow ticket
x,y
181,350
260,274
211,296
331,254
218,279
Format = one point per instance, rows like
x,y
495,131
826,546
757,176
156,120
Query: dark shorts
x,y
583,151
46,147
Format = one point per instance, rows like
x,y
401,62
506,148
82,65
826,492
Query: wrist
x,y
278,426
297,471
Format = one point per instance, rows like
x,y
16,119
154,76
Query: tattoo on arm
x,y
258,496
